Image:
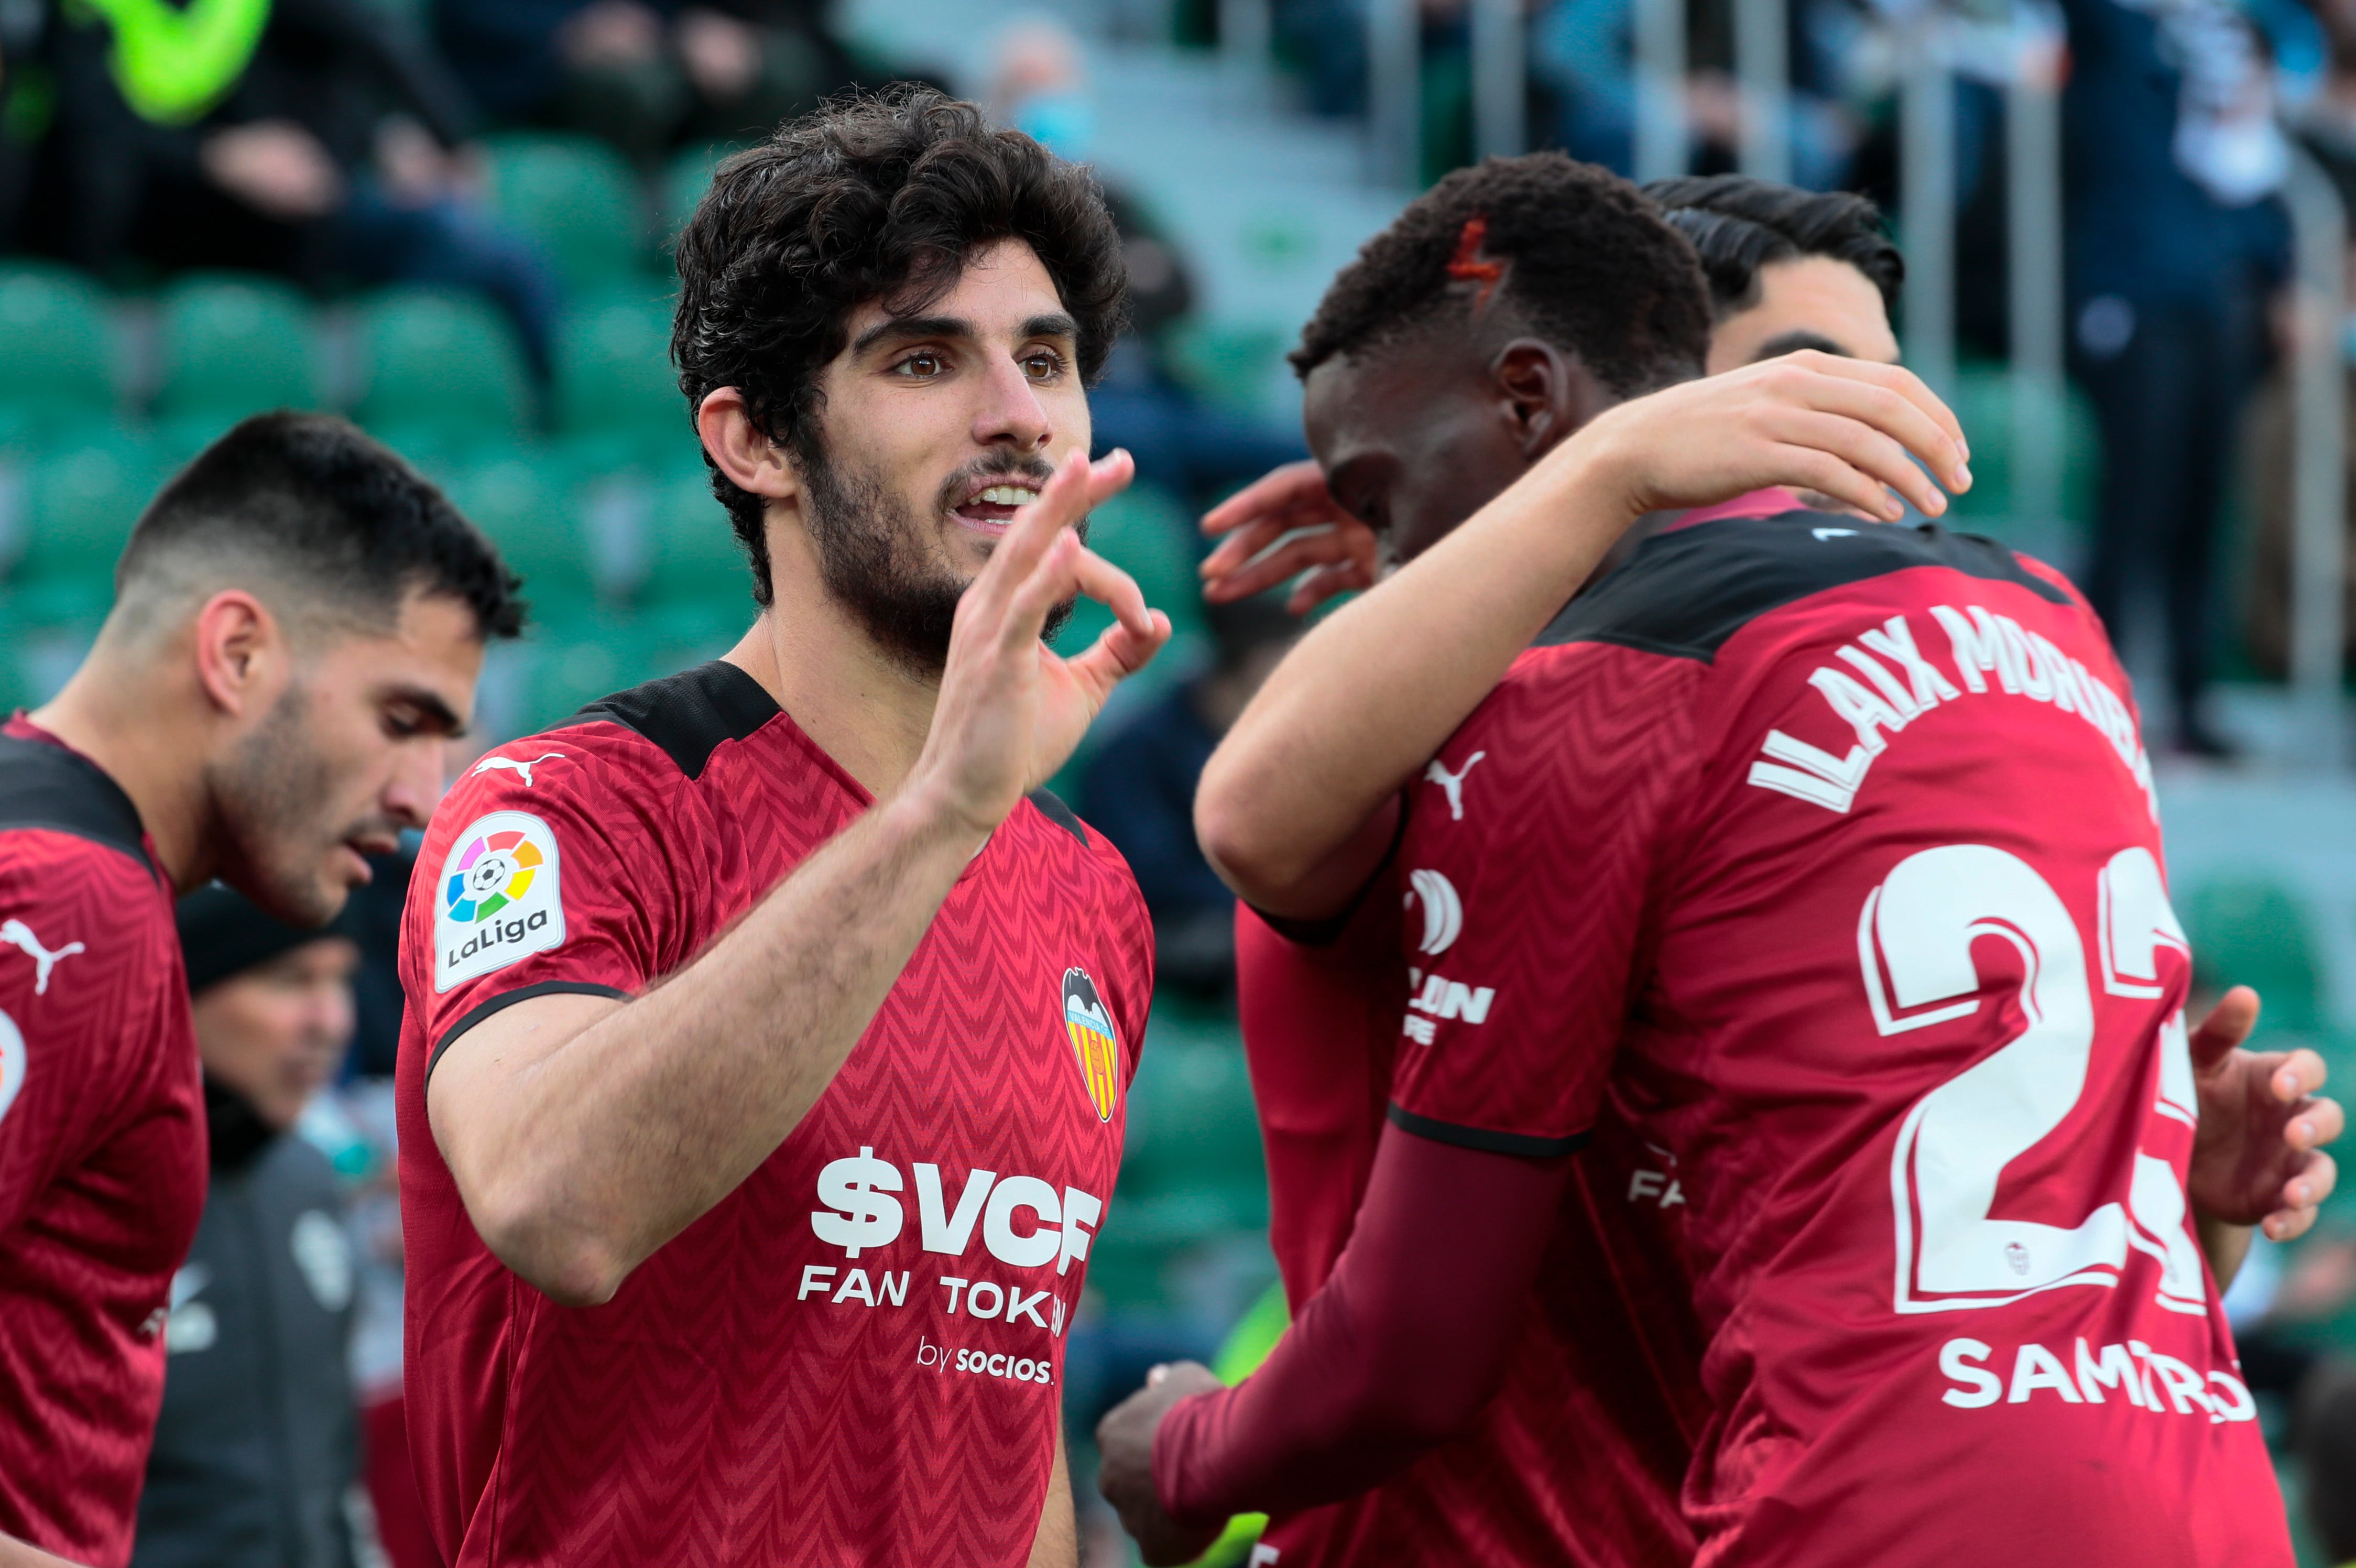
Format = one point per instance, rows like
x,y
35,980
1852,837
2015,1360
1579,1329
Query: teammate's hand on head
x,y
1335,548
1125,1467
2257,1158
1849,429
1011,709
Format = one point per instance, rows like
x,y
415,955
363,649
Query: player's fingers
x,y
1110,475
1280,489
1810,468
1863,448
2316,1124
2298,1075
1315,587
1946,451
1117,653
1294,556
1245,543
1063,500
1112,587
1051,582
2227,1025
2303,1197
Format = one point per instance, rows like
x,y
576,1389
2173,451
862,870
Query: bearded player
x,y
1234,1442
765,1071
297,626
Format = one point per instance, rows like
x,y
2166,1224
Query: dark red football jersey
x,y
101,1147
1608,1349
1836,846
856,1356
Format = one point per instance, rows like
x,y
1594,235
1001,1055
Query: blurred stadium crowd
x,y
447,218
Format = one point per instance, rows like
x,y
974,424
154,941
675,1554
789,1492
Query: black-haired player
x,y
1788,269
298,623
763,1075
1619,857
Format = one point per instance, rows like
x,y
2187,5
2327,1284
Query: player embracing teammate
x,y
1821,854
764,1078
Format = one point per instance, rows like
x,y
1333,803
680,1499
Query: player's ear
x,y
1544,392
750,460
242,657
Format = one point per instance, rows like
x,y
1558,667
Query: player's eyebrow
x,y
905,328
1056,325
1784,343
435,713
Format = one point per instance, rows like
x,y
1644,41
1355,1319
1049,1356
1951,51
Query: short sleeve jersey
x,y
1837,847
856,1357
101,1147
1608,1348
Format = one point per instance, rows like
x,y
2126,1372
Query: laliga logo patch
x,y
497,898
1093,1043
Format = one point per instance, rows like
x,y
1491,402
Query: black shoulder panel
x,y
689,713
44,786
1684,593
1051,806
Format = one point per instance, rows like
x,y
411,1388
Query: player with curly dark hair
x,y
770,1028
1610,903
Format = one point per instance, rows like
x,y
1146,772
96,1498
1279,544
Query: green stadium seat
x,y
577,198
693,564
233,346
439,364
2250,931
55,347
614,378
81,499
686,180
529,507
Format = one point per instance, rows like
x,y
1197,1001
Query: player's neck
x,y
864,709
135,723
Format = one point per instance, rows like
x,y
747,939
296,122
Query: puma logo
x,y
18,934
488,763
1453,783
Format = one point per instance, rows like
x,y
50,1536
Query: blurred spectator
x,y
2325,1435
258,1442
1138,790
334,148
1325,43
1039,85
2325,123
2172,156
645,75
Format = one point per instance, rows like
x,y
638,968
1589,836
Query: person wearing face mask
x,y
258,1441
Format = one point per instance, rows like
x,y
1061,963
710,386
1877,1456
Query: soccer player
x,y
298,623
1616,879
764,1078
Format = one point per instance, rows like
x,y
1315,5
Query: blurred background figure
x,y
649,76
1139,789
1039,85
2174,244
2327,1449
320,142
259,1443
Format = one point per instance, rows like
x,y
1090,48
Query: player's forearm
x,y
1057,1545
1362,704
1381,1366
2225,1244
607,1145
15,1553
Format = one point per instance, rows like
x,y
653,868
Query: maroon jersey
x,y
1608,1346
101,1147
857,1356
1837,847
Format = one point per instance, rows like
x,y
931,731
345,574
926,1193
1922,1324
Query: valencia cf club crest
x,y
1093,1042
